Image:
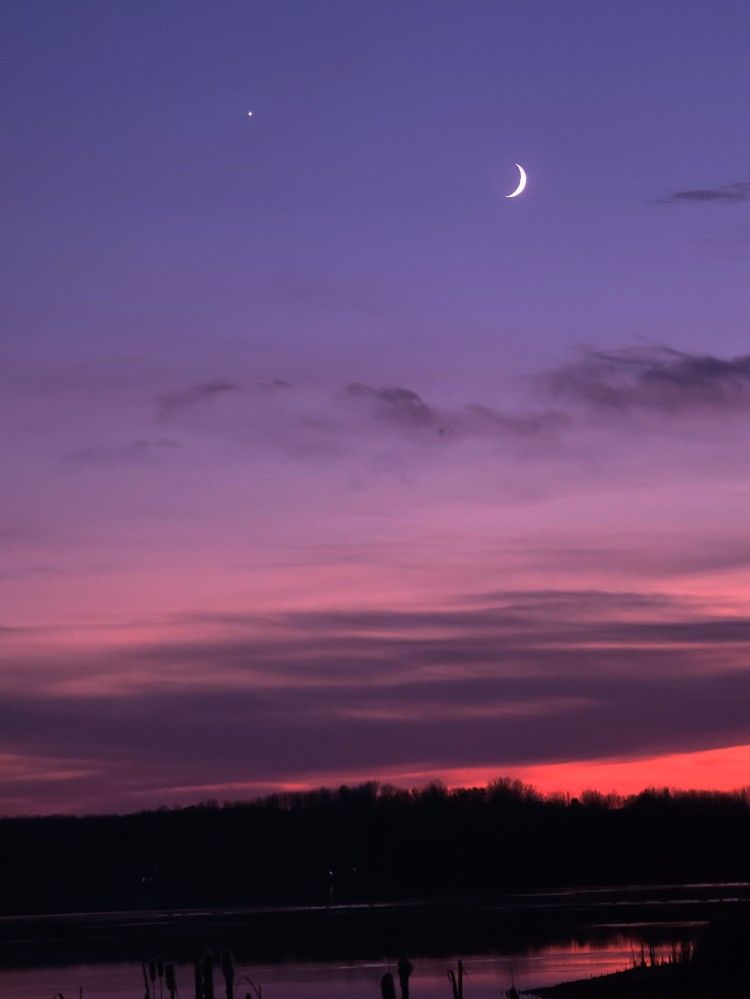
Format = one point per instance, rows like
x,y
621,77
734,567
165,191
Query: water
x,y
564,935
487,975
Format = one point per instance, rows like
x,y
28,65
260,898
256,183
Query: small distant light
x,y
249,114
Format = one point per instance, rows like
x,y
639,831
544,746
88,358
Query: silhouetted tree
x,y
381,844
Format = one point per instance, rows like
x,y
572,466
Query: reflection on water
x,y
487,975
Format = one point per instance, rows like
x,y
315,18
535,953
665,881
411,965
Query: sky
x,y
323,461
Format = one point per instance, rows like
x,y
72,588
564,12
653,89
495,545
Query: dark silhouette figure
x,y
405,968
387,987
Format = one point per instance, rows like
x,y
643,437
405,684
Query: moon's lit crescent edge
x,y
521,184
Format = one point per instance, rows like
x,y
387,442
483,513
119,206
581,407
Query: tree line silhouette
x,y
370,843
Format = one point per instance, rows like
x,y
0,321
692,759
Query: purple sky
x,y
324,461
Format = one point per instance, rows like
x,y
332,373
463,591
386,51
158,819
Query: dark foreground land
x,y
372,872
367,845
718,968
646,983
668,982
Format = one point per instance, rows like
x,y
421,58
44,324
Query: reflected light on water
x,y
487,975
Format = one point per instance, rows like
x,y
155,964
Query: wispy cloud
x,y
275,385
400,405
194,395
136,451
405,409
732,193
655,379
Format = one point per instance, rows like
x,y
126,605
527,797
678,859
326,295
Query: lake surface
x,y
487,976
319,952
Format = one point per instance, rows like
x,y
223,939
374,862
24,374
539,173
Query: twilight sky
x,y
322,461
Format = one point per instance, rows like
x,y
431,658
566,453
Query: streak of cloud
x,y
400,405
405,409
503,680
193,395
660,379
732,193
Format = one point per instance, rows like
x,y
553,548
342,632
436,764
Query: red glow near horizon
x,y
723,770
726,769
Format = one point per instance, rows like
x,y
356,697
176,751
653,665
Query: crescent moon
x,y
521,183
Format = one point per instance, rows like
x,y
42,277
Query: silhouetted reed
x,y
256,989
155,970
170,979
405,968
145,979
227,970
204,976
387,986
457,981
207,975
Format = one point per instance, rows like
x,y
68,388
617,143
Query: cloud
x,y
726,194
655,379
397,404
481,419
137,451
193,395
275,385
405,409
507,679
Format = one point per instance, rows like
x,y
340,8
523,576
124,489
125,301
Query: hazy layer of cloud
x,y
737,191
659,379
510,679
